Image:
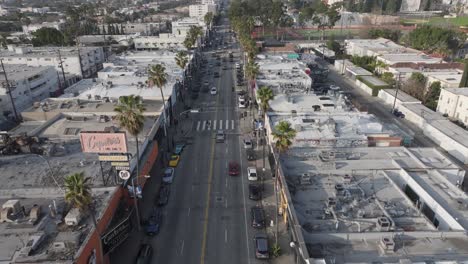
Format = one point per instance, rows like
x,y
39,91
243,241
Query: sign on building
x,y
103,142
116,236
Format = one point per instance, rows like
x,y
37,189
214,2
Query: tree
x,y
208,18
283,135
276,15
389,78
181,59
431,39
415,85
393,35
157,76
332,44
265,95
78,195
130,116
47,36
431,98
464,79
251,70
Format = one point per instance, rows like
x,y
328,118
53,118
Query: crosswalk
x,y
211,125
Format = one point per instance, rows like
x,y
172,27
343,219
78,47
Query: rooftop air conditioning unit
x,y
384,224
387,244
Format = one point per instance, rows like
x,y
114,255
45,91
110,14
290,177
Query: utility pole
x,y
63,71
9,91
396,93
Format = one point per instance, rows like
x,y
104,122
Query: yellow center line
x,y
210,177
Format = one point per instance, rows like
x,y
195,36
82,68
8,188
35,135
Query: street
x,y
207,218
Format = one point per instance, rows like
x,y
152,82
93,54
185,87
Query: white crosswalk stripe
x,y
212,125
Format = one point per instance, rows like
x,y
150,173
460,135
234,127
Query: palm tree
x,y
251,70
78,195
158,76
188,43
181,59
284,134
265,95
208,18
130,116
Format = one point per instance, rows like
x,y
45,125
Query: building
x,y
163,41
83,62
28,29
200,10
454,104
38,224
148,28
182,26
28,85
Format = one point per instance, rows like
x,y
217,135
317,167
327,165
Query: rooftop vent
x,y
387,244
384,224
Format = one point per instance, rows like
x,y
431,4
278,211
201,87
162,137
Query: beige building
x,y
453,102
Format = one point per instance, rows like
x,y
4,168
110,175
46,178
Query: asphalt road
x,y
207,219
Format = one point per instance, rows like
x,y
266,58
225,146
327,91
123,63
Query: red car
x,y
233,168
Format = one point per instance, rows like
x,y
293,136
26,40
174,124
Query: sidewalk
x,y
269,200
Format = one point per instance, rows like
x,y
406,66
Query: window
x,y
458,115
47,59
29,59
461,104
440,98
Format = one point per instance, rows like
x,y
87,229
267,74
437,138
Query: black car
x,y
261,246
258,217
144,254
164,193
153,225
255,192
250,154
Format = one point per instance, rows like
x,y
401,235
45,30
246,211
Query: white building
x,y
149,28
201,10
28,85
28,29
182,26
163,41
84,62
453,102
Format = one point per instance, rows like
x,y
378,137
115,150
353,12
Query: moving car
x,y
174,161
153,225
258,217
252,174
233,168
248,143
238,66
213,91
250,154
163,196
144,254
261,246
255,192
168,176
220,136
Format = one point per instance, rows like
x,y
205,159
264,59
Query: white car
x,y
213,91
238,66
248,143
168,176
252,173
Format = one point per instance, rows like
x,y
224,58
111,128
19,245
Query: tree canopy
x,y
434,39
47,36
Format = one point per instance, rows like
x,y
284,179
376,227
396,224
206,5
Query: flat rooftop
x,y
409,57
402,96
380,45
18,72
45,51
303,102
459,91
340,196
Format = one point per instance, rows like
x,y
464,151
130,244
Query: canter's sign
x,y
103,142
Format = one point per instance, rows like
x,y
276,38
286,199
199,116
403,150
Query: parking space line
x,y
204,124
182,247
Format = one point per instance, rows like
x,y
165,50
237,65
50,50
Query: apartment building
x,y
453,102
200,10
27,85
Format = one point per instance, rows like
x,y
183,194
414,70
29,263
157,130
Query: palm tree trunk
x,y
276,199
165,118
135,198
93,217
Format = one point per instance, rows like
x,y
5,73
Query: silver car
x,y
220,136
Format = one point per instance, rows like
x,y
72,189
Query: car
x,y
144,254
258,217
238,66
174,161
216,75
261,246
233,168
163,196
242,97
153,225
252,174
178,148
224,67
242,104
255,192
168,176
220,136
213,91
398,113
250,154
248,144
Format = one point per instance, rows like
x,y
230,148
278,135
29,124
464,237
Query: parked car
x,y
255,192
233,168
220,136
250,154
174,161
261,246
144,254
163,196
178,148
398,113
258,217
252,174
213,91
248,143
168,176
153,225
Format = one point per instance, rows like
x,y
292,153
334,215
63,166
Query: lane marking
x,y
188,214
227,124
232,124
198,125
204,124
214,125
244,203
220,124
225,235
182,247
